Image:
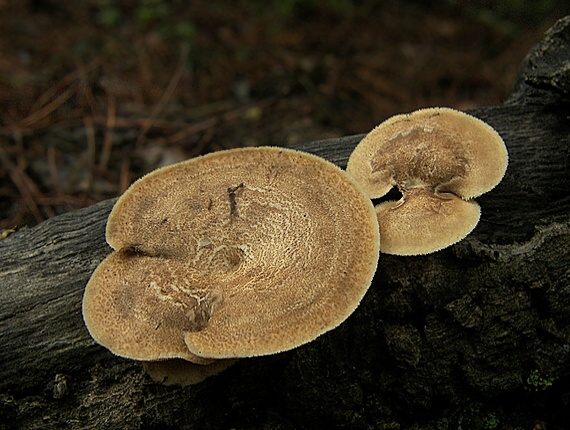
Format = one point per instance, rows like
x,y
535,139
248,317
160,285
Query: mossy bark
x,y
477,334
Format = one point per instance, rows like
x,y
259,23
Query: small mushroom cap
x,y
181,372
237,253
442,148
423,222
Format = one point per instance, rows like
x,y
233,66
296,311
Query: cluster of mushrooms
x,y
255,251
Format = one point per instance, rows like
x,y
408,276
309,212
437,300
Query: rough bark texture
x,y
463,338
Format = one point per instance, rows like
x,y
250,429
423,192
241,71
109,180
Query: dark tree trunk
x,y
472,335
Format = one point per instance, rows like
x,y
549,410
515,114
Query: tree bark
x,y
474,333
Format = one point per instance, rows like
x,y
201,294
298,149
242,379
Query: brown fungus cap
x,y
138,305
436,157
237,253
425,222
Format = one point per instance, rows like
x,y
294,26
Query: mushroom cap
x,y
237,253
129,308
442,148
181,372
423,222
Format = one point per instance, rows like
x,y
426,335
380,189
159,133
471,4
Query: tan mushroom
x,y
238,253
138,305
438,158
425,221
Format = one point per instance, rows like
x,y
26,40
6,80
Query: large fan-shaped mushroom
x,y
234,254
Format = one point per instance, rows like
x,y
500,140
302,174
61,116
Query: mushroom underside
x,y
182,372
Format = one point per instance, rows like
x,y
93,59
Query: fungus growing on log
x,y
238,253
439,158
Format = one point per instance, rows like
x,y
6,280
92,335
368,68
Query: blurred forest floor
x,y
94,94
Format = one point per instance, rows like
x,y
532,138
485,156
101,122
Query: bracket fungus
x,y
439,159
238,253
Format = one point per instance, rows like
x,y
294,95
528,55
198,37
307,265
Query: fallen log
x,y
474,333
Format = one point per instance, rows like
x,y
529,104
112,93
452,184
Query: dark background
x,y
93,94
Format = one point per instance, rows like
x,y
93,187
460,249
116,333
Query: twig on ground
x,y
59,86
109,130
91,149
186,132
24,184
166,96
32,119
84,91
